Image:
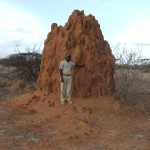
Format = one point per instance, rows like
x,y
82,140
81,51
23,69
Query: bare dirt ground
x,y
34,122
88,124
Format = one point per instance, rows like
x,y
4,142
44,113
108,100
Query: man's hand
x,y
83,65
62,80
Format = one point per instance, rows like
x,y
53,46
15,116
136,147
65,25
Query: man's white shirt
x,y
66,67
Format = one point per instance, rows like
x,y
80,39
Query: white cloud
x,y
18,27
136,33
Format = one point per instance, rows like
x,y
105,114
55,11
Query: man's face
x,y
68,58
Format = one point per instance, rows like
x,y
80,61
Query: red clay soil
x,y
99,123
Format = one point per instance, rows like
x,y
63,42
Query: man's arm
x,y
61,75
77,65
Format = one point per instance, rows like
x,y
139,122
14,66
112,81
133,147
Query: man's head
x,y
68,57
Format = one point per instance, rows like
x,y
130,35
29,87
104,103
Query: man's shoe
x,y
62,102
70,102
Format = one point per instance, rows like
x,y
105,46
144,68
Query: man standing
x,y
66,80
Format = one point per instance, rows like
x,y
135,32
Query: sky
x,y
27,22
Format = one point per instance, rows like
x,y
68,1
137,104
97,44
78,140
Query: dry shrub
x,y
22,85
30,86
3,83
18,85
131,86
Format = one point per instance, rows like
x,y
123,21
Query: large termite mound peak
x,y
82,37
